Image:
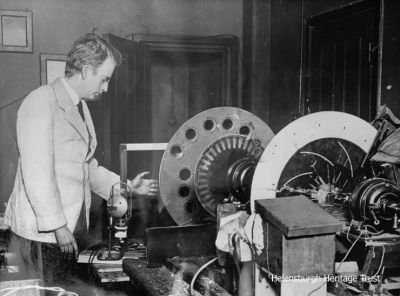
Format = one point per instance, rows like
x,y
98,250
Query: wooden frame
x,y
227,46
357,90
51,67
16,31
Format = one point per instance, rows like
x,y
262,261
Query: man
x,y
56,169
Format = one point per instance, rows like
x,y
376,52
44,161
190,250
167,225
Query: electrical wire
x,y
90,266
267,244
349,250
316,289
341,262
91,269
380,265
253,252
12,290
374,230
13,102
197,274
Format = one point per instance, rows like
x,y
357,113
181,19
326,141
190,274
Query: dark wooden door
x,y
187,75
128,104
340,62
161,83
121,117
157,88
127,119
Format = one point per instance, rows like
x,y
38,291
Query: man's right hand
x,y
67,242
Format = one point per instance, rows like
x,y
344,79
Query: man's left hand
x,y
142,186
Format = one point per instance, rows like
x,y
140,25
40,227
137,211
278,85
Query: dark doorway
x,y
340,60
162,82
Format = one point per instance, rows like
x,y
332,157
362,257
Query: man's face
x,y
96,82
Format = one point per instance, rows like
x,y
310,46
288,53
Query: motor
x,y
376,201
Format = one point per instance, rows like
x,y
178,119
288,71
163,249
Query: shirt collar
x,y
74,96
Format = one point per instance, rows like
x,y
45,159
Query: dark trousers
x,y
40,260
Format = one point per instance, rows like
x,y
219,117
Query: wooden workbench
x,y
163,281
156,281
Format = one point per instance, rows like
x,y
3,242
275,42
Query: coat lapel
x,y
71,113
90,128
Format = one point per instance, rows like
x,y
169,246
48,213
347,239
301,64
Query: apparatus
x,y
119,212
229,156
330,158
210,160
226,155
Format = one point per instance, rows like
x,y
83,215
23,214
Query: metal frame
x,y
126,147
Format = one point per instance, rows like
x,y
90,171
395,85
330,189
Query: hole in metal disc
x,y
209,125
184,191
176,151
190,134
244,130
185,174
191,207
227,124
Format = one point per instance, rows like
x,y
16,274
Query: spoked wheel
x,y
326,169
319,155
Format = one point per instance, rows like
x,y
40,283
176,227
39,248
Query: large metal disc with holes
x,y
195,163
322,153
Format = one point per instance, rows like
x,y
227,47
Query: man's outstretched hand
x,y
142,186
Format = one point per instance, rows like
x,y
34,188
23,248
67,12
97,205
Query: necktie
x,y
81,226
80,109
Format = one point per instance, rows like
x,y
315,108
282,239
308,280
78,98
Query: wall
x,y
390,83
57,23
272,37
286,53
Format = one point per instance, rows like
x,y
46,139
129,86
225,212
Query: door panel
x,y
182,85
128,120
341,60
155,90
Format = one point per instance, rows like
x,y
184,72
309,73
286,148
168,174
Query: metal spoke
x,y
319,155
348,158
328,174
295,177
337,179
